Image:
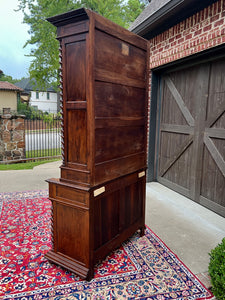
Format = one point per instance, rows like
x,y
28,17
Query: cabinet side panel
x,y
72,233
77,136
76,71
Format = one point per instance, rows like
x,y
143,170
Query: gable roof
x,y
149,11
7,86
25,84
160,15
28,85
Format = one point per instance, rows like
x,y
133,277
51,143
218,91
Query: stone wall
x,y
12,137
202,31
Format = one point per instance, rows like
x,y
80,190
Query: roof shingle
x,y
149,11
7,86
28,85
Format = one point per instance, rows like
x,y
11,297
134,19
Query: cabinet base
x,y
87,224
69,264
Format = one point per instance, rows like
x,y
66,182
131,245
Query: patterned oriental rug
x,y
143,268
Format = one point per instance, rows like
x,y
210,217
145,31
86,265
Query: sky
x,y
13,36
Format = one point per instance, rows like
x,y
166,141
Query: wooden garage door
x,y
191,136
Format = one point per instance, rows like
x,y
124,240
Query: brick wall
x,y
12,137
202,31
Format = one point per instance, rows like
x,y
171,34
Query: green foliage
x,y
110,9
45,64
21,107
32,113
8,78
217,270
133,10
43,153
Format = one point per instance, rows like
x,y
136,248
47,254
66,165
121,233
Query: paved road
x,y
27,180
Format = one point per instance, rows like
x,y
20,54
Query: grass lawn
x,y
26,165
43,152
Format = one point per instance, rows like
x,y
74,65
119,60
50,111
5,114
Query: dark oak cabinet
x,y
99,199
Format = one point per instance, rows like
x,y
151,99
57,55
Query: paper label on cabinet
x,y
141,174
99,191
125,49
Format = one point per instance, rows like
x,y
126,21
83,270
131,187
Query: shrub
x,y
217,270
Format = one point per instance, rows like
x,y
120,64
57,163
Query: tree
x,y
133,10
44,67
4,77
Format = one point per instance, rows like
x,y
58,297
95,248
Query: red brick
x,y
171,32
207,28
198,32
218,23
197,17
202,15
180,41
199,35
176,29
173,44
182,26
214,18
206,13
214,8
209,11
218,32
188,37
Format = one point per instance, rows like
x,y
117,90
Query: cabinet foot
x,y
142,230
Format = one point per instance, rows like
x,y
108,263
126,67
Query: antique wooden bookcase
x,y
99,200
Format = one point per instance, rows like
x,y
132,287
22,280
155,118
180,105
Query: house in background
x,y
9,95
187,102
46,101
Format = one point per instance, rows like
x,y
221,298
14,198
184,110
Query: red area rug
x,y
143,268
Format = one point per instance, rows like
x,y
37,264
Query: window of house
x,y
48,96
37,95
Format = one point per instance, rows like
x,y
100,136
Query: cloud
x,y
13,36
